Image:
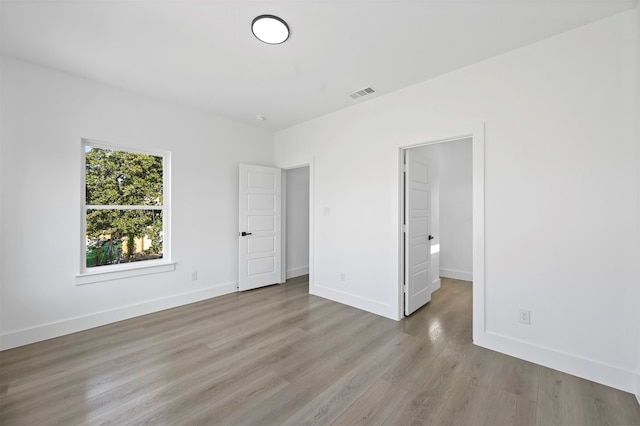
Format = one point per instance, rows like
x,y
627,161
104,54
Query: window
x,y
126,209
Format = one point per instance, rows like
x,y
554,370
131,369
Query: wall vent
x,y
362,92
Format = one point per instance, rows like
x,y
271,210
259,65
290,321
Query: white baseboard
x,y
581,367
638,387
456,275
72,325
435,285
369,305
292,273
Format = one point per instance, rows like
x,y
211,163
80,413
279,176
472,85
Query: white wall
x,y
44,116
456,210
561,195
637,49
297,217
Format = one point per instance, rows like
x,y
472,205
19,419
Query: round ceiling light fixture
x,y
270,29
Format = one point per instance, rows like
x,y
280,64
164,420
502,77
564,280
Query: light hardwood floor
x,y
277,355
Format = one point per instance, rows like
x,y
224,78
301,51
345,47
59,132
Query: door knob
x,y
431,237
244,234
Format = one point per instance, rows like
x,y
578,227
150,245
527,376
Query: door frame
x,y
476,134
283,271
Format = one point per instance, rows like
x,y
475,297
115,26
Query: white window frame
x,y
125,270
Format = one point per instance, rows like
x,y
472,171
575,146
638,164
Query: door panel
x,y
417,252
261,202
260,252
266,223
261,266
257,245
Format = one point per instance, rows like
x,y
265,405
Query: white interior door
x,y
260,223
417,244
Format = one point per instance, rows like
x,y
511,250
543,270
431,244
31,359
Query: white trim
x,y
124,270
383,309
118,207
166,213
479,292
595,371
435,285
402,229
284,274
456,275
72,325
82,237
109,145
312,226
292,273
638,387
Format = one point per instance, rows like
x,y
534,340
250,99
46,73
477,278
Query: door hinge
x,y
405,168
404,288
404,228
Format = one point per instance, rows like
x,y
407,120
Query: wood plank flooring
x,y
277,355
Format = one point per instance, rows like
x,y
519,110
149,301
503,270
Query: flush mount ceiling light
x,y
270,29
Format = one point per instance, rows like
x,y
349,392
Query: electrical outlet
x,y
343,277
524,316
194,276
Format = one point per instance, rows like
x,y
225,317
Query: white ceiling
x,y
203,54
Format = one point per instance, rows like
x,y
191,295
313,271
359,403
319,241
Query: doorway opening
x,y
264,257
296,222
431,245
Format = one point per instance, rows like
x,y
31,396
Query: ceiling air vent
x,y
362,92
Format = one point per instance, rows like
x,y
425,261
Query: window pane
x,y
122,178
123,236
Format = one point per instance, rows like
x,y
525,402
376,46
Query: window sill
x,y
117,272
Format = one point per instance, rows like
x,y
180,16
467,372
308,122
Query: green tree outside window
x,y
123,206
